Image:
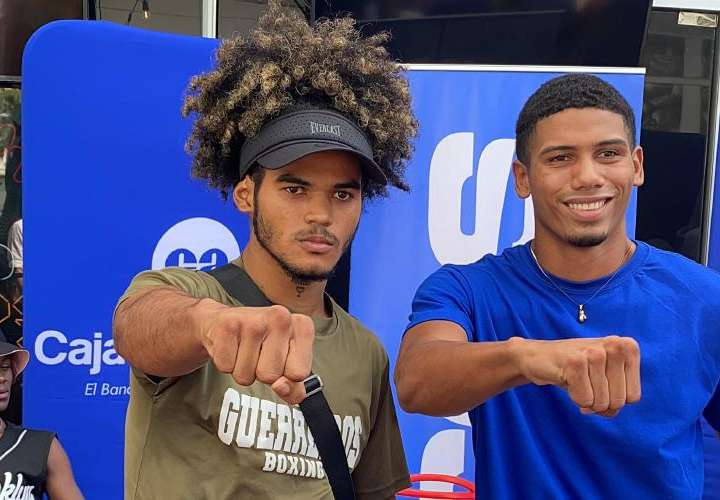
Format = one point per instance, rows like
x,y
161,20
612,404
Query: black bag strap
x,y
314,407
239,285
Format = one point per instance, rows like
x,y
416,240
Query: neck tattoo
x,y
582,314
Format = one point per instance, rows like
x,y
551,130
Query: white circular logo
x,y
199,244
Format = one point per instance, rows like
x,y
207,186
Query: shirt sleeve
x,y
183,280
712,411
382,470
444,296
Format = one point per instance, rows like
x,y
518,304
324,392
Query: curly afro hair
x,y
283,62
569,91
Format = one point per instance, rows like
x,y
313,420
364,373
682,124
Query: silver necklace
x,y
582,315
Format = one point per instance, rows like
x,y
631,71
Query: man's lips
x,y
317,244
588,208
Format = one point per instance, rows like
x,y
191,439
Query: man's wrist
x,y
202,314
518,356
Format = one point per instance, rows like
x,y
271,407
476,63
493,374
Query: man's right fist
x,y
268,344
601,375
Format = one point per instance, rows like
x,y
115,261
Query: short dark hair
x,y
576,90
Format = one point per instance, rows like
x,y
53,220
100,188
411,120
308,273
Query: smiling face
x,y
581,172
305,214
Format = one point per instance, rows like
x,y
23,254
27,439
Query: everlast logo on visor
x,y
324,128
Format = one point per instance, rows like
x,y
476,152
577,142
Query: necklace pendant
x,y
581,314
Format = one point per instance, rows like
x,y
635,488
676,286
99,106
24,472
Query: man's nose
x,y
319,211
586,174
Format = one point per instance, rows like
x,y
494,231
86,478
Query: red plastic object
x,y
442,478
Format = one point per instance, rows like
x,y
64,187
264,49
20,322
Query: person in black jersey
x,y
32,463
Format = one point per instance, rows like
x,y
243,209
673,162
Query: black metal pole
x,y
311,15
92,9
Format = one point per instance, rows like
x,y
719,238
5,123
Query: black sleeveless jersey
x,y
23,462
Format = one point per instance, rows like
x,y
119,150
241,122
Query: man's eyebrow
x,y
292,179
551,149
612,142
563,147
348,185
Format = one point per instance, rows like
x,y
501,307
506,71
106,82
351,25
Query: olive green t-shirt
x,y
203,436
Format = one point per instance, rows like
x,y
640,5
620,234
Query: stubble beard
x,y
264,233
586,241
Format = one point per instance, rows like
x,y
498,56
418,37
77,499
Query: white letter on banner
x,y
451,166
96,353
444,454
81,354
529,224
110,356
40,347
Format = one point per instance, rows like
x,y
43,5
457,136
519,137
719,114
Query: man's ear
x,y
638,167
244,195
522,181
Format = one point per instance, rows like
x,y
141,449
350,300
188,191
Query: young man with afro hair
x,y
299,125
546,339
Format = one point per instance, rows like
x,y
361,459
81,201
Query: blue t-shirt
x,y
532,442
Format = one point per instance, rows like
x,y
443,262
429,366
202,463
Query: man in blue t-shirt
x,y
543,344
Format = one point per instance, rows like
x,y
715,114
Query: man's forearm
x,y
157,331
443,378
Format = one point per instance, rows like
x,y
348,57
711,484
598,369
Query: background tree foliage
x,y
9,114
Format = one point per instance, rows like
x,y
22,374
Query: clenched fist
x,y
268,344
601,375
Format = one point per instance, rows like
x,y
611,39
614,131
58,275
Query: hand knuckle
x,y
616,404
266,376
304,326
584,401
297,373
613,339
631,346
222,361
302,320
279,332
614,347
601,401
577,362
253,331
221,329
222,366
308,334
244,379
278,316
596,356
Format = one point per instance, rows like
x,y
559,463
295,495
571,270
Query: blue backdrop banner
x,y
712,444
462,206
108,194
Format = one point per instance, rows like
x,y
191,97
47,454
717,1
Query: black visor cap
x,y
304,131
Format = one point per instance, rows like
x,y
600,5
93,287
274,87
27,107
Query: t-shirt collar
x,y
635,261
